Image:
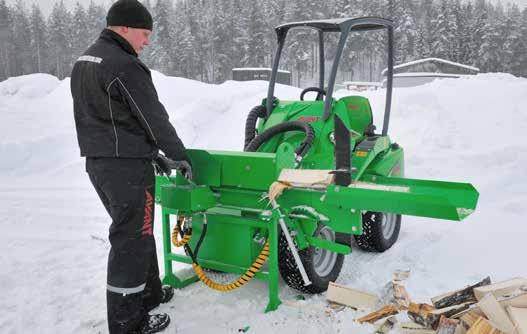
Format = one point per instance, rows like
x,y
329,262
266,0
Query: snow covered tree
x,y
257,47
39,45
21,39
59,41
7,54
79,34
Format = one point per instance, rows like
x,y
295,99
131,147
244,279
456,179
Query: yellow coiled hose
x,y
242,280
175,234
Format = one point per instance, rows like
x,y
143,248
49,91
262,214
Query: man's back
x,y
107,125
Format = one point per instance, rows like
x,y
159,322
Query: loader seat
x,y
359,112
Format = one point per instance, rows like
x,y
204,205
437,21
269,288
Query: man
x,y
121,125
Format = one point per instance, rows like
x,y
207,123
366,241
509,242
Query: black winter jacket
x,y
116,107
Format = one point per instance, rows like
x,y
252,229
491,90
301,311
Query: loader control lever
x,y
321,92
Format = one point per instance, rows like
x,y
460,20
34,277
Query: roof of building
x,y
439,60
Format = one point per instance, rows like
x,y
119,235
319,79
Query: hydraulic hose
x,y
242,280
250,123
301,151
177,230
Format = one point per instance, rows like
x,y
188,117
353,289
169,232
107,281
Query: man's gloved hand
x,y
165,166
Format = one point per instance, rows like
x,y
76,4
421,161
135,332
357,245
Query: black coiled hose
x,y
301,151
250,123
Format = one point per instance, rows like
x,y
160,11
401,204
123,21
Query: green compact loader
x,y
313,176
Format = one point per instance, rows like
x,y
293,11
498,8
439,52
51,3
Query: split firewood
x,y
496,313
468,319
472,308
447,326
384,312
428,316
422,314
517,298
413,328
460,329
386,326
483,326
401,275
355,299
519,318
500,289
459,296
401,296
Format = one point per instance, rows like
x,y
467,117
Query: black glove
x,y
165,165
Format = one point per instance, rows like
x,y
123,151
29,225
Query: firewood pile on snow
x,y
481,308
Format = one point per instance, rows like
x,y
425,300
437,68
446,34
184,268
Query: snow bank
x,y
54,230
29,86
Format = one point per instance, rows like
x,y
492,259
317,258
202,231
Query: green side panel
x,y
434,199
187,199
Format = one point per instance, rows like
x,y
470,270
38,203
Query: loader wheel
x,y
379,231
322,266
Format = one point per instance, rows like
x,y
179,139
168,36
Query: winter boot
x,y
153,324
167,292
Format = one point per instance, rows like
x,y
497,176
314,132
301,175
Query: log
x,y
386,326
447,326
459,296
384,312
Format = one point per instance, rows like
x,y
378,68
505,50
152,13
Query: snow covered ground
x,y
53,239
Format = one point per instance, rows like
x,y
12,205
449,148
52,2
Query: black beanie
x,y
129,13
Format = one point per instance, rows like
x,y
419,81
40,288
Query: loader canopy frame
x,y
344,26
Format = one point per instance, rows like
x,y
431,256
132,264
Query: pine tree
x,y
256,50
6,41
59,22
162,38
78,31
39,43
95,21
22,40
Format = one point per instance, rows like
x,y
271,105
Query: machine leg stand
x,y
274,298
170,278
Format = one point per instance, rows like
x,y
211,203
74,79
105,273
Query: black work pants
x,y
126,188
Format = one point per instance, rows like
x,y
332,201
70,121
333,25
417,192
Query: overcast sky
x,y
46,5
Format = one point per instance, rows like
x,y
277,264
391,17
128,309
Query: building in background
x,y
426,70
260,73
